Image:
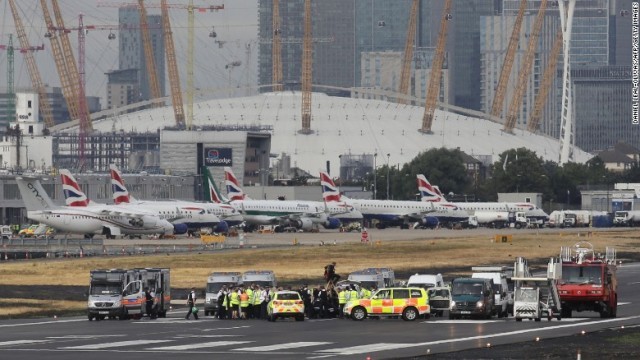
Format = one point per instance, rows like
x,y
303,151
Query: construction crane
x,y
34,74
276,49
525,70
307,59
433,91
11,93
172,67
69,59
68,90
405,76
545,84
150,61
501,90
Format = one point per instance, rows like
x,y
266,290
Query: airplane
x,y
394,212
195,215
88,220
305,215
487,212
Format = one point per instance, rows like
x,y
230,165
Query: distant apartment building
x,y
122,88
602,107
131,50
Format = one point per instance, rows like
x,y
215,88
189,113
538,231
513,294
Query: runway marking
x,y
228,328
363,349
113,344
21,342
83,336
625,303
43,323
204,336
462,321
283,346
200,345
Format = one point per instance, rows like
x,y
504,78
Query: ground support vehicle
x,y
589,281
471,297
373,278
105,293
503,296
439,299
627,218
425,281
286,304
409,303
5,232
536,297
215,282
264,278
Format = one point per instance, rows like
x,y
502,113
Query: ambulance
x,y
409,303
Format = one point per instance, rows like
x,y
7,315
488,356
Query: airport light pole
x,y
388,170
375,176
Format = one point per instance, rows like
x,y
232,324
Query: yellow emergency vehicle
x,y
410,303
286,304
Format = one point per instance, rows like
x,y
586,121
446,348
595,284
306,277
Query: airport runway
x,y
207,338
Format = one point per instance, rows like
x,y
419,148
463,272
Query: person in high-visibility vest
x,y
257,302
364,293
234,302
342,300
353,294
244,304
249,307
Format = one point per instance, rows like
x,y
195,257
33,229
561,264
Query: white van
x,y
425,281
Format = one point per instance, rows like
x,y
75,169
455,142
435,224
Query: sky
x,y
237,25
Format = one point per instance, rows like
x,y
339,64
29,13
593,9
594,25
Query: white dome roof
x,y
346,125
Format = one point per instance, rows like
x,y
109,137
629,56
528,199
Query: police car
x,y
286,304
410,303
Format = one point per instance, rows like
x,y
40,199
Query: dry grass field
x,y
302,263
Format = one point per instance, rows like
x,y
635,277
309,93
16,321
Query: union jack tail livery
x,y
234,190
73,195
429,192
120,192
211,192
330,192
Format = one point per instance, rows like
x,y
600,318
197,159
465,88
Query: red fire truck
x,y
588,280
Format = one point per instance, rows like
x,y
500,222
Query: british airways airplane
x,y
483,210
300,214
394,212
195,215
105,220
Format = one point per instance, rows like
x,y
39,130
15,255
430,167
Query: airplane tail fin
x,y
211,192
120,192
74,196
427,191
33,194
330,192
234,190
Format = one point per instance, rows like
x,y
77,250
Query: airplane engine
x,y
332,223
179,229
429,221
304,224
222,227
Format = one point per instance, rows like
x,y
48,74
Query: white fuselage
x,y
394,210
489,209
193,214
86,221
267,212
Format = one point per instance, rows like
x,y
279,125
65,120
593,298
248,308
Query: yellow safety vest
x,y
244,300
256,297
250,293
234,298
342,299
353,295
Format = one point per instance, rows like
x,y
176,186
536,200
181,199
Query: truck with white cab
x,y
216,281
